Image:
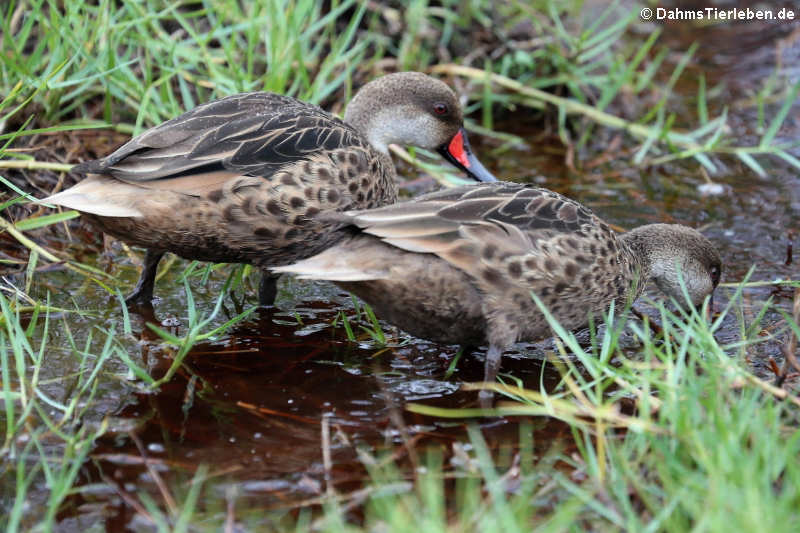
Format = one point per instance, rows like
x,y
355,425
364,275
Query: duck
x,y
242,179
459,266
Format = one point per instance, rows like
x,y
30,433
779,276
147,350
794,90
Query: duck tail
x,y
334,264
98,196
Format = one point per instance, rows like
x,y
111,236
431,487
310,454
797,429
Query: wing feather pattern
x,y
468,226
253,134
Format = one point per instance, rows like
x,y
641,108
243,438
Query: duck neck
x,y
361,114
641,246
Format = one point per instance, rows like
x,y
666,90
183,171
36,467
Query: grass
x,y
674,434
704,448
55,447
127,56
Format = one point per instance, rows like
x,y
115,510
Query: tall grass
x,y
679,437
151,60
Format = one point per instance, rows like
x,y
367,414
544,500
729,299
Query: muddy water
x,y
251,404
251,407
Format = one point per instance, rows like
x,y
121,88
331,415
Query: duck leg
x,y
267,288
143,292
493,357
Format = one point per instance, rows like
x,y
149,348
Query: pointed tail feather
x,y
334,264
99,196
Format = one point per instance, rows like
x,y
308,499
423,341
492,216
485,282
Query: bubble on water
x,y
361,402
421,389
711,189
267,485
155,447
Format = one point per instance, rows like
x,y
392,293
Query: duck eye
x,y
440,108
715,272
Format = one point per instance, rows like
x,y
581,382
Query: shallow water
x,y
251,404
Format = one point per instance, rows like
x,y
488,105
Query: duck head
x,y
672,255
413,109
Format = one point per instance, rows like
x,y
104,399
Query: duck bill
x,y
458,152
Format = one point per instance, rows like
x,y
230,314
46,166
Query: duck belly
x,y
418,292
444,309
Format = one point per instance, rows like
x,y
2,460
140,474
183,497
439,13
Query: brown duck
x,y
241,179
458,266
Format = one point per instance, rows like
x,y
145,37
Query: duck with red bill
x,y
242,179
459,153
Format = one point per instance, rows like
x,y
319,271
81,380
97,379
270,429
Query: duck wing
x,y
479,227
250,134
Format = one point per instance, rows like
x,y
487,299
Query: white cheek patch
x,y
403,125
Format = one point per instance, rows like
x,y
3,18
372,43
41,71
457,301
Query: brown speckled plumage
x,y
459,266
249,219
242,179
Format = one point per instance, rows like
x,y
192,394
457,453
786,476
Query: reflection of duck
x,y
240,179
459,266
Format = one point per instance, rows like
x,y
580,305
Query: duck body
x,y
439,302
459,266
241,179
238,180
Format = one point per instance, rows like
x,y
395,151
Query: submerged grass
x,y
46,440
680,437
